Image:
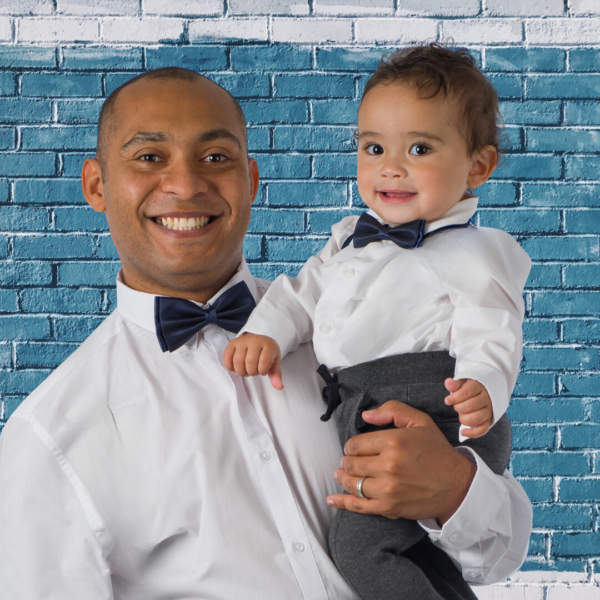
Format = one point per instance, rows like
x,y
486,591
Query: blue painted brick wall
x,y
58,264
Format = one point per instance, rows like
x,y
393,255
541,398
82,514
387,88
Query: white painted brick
x,y
525,8
268,7
312,31
585,7
98,7
26,7
149,31
354,7
5,29
483,31
254,28
183,7
573,32
512,592
57,30
439,8
402,31
573,593
549,577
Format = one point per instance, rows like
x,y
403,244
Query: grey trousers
x,y
393,559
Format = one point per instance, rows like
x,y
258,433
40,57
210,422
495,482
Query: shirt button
x,y
454,537
326,328
473,573
348,273
266,455
298,546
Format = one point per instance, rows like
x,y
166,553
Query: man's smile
x,y
183,223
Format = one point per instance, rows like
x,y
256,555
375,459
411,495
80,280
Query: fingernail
x,y
335,475
330,501
368,412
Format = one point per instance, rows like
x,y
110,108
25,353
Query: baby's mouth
x,y
396,195
183,223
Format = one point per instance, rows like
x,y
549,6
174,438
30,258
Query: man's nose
x,y
184,179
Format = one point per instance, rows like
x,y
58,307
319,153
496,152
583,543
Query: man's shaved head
x,y
108,120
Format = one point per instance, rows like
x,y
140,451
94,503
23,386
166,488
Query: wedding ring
x,y
359,487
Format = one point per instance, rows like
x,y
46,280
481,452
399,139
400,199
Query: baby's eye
x,y
374,149
419,150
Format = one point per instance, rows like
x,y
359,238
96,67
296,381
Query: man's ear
x,y
254,178
92,185
484,163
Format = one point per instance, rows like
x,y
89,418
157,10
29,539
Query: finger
x,y
275,375
266,360
474,419
471,405
253,354
349,483
239,360
228,354
353,503
362,466
473,432
464,393
453,385
398,413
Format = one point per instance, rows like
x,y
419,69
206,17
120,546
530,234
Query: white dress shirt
x,y
130,474
460,291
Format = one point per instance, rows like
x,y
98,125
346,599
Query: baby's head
x,y
427,131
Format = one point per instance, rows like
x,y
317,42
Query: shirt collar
x,y
457,215
138,307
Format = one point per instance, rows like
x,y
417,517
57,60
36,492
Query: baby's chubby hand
x,y
252,354
473,403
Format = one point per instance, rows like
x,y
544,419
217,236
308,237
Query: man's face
x,y
177,186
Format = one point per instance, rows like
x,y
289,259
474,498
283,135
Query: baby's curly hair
x,y
436,70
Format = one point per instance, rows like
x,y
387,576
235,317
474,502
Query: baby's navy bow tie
x,y
406,235
177,320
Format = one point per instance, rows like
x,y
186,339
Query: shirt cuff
x,y
471,522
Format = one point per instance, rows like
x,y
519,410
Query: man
x,y
134,473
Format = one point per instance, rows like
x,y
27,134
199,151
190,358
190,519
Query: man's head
x,y
173,175
428,130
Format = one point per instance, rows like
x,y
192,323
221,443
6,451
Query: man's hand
x,y
412,471
473,404
252,354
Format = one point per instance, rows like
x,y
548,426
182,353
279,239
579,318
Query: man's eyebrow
x,y
218,134
142,137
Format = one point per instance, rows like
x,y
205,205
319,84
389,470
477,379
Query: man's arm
x,y
48,550
481,520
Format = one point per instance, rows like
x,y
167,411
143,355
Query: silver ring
x,y
359,488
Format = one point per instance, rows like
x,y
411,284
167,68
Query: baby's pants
x,y
394,559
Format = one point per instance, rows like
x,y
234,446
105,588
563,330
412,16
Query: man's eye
x,y
419,150
149,158
215,158
374,149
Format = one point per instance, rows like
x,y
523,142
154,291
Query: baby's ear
x,y
484,163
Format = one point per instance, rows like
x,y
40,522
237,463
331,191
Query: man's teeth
x,y
183,223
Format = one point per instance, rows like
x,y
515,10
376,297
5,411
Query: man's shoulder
x,y
80,370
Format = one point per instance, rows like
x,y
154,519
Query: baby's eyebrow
x,y
425,135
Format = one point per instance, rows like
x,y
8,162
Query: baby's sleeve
x,y
485,273
285,313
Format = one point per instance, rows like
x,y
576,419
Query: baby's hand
x,y
252,354
473,403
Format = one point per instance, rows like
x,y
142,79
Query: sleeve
x,y
286,311
488,536
485,273
48,550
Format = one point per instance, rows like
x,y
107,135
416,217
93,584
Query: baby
x,y
408,300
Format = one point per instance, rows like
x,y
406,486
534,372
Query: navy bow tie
x,y
407,235
177,320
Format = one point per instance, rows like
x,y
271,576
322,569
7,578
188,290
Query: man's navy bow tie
x,y
177,320
407,235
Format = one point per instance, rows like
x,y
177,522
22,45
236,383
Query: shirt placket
x,y
282,503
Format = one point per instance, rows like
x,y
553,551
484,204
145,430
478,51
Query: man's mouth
x,y
183,223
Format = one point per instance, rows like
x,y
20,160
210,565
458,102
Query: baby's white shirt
x,y
460,291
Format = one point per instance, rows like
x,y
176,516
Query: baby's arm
x,y
474,405
252,354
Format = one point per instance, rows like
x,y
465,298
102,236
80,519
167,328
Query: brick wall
x,y
298,68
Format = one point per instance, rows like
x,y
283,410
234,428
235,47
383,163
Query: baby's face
x,y
412,159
